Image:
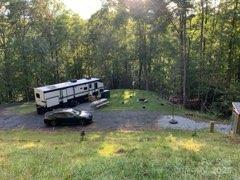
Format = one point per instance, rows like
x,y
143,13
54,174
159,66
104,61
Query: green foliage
x,y
123,155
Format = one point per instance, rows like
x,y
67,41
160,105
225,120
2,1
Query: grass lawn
x,y
21,109
117,155
124,99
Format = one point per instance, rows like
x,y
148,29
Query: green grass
x,y
130,99
155,103
21,109
117,155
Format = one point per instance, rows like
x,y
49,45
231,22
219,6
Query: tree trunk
x,y
231,46
140,75
7,76
202,52
6,66
57,76
238,70
146,77
183,52
230,62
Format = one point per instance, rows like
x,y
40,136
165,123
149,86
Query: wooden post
x,y
236,118
211,126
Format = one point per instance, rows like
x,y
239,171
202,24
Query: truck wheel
x,y
90,121
46,122
40,111
53,123
72,103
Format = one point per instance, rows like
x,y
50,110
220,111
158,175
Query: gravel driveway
x,y
114,120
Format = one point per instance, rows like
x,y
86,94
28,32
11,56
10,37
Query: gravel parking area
x,y
103,121
189,124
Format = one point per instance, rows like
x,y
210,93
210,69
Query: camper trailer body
x,y
49,97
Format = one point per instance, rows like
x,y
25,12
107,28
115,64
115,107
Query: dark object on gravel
x,y
173,121
144,107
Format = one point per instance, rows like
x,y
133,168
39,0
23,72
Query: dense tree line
x,y
184,48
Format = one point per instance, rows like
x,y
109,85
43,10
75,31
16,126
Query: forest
x,y
182,49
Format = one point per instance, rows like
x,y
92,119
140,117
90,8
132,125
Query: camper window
x,y
61,115
95,85
85,88
69,115
38,95
90,86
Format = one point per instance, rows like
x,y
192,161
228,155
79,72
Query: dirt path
x,y
115,120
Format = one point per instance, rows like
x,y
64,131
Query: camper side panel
x,y
78,90
52,98
70,93
64,95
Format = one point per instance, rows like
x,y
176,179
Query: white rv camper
x,y
67,93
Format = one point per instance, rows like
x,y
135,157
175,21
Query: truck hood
x,y
85,114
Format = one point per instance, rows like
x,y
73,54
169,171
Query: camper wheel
x,y
83,99
41,110
72,103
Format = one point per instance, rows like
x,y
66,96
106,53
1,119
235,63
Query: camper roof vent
x,y
73,80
